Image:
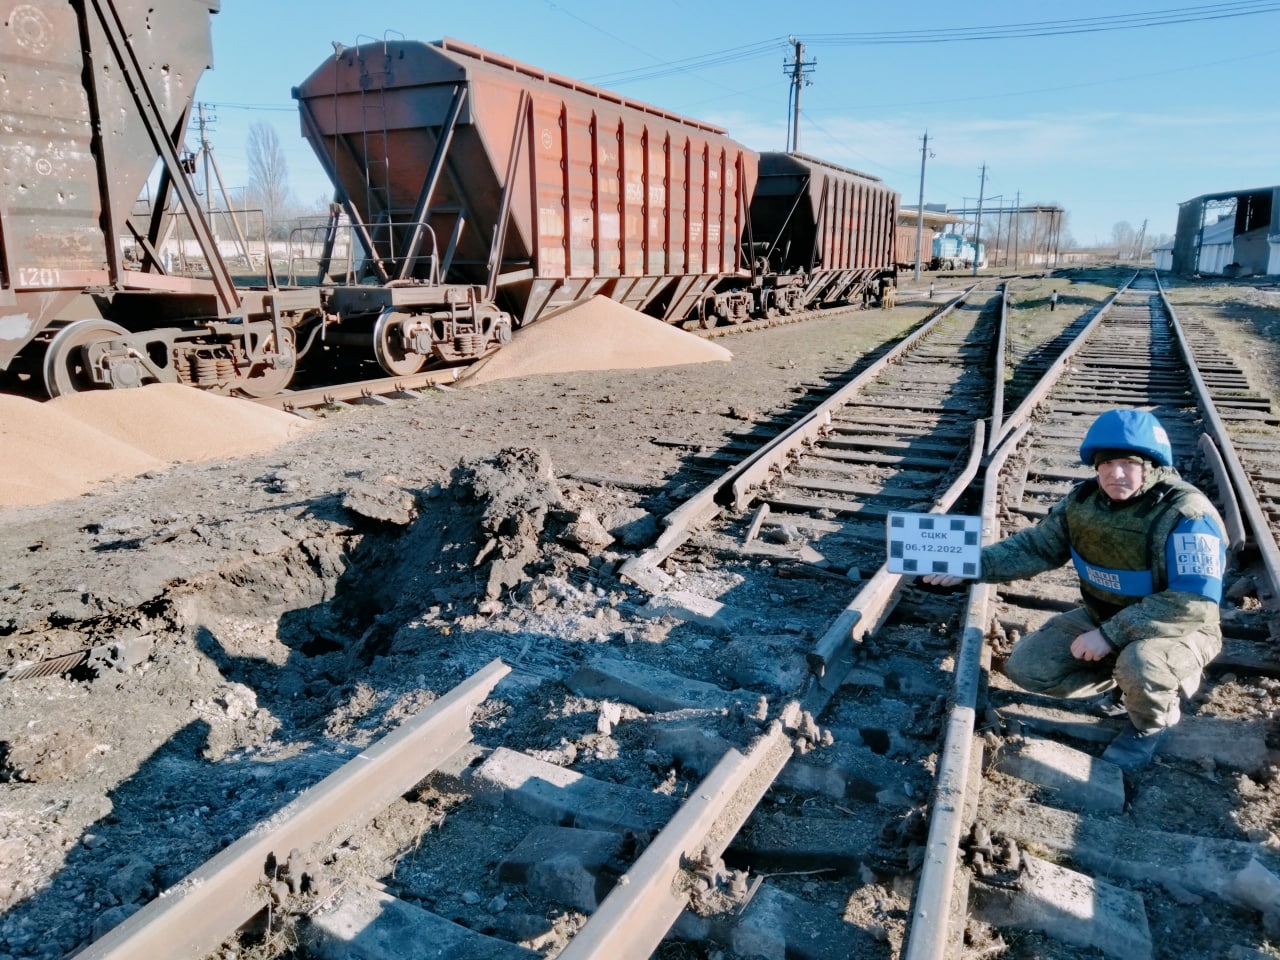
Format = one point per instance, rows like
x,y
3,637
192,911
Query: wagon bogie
x,y
407,326
253,358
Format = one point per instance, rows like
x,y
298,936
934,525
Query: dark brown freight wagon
x,y
95,96
485,192
823,233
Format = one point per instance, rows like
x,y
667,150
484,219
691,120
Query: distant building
x,y
1231,234
1162,256
913,226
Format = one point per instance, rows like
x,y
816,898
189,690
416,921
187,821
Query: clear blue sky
x,y
1113,124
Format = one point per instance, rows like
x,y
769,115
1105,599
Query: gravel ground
x,y
305,600
257,621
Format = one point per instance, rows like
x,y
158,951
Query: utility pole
x,y
799,70
206,149
977,233
924,156
1017,234
208,180
1142,237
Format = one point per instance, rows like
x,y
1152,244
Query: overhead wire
x,y
1041,28
1012,31
687,64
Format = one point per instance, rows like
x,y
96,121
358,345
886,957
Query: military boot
x,y
1133,749
1108,704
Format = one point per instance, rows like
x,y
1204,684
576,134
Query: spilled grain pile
x,y
69,445
597,334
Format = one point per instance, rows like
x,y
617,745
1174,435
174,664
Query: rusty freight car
x,y
486,192
907,236
821,233
96,95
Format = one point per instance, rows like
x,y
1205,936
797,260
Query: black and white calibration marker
x,y
935,543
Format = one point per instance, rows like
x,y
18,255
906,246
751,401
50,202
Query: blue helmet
x,y
1127,432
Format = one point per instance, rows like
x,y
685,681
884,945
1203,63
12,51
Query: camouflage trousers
x,y
1151,673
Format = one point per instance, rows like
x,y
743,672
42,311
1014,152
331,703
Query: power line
x,y
281,108
689,64
1103,81
1012,31
1046,28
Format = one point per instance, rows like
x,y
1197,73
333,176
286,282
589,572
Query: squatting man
x,y
1149,550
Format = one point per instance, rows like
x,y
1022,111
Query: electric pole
x,y
924,156
799,70
1017,234
208,180
211,164
977,233
1142,238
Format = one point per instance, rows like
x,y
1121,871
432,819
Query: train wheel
x,y
392,356
267,379
65,369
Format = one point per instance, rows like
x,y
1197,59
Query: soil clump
x,y
293,605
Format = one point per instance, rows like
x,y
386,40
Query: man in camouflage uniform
x,y
1150,553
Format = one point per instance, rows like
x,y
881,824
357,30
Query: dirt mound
x,y
49,454
173,422
598,334
66,446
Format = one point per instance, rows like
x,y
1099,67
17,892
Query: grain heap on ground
x,y
597,334
67,446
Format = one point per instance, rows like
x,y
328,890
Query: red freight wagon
x,y
95,94
906,243
830,227
460,167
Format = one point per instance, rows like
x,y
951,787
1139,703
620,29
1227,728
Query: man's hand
x,y
941,579
1090,646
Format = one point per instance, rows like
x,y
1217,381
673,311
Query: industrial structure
x,y
1232,234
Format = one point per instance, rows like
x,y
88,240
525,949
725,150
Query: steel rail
x,y
832,656
1236,531
1263,536
189,920
357,391
764,323
641,908
937,919
1054,372
403,387
1002,346
756,470
643,570
634,918
934,921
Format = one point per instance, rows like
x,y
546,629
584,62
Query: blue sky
x,y
1113,124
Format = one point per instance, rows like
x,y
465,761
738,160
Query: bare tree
x,y
1124,237
268,172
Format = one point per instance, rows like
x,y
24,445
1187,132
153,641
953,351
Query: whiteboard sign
x,y
935,543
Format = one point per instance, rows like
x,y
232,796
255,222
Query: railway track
x,y
1120,860
830,767
384,390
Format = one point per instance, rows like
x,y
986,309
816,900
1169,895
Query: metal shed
x,y
1234,233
